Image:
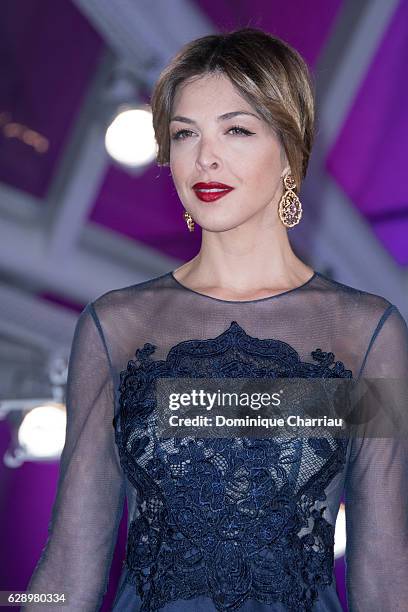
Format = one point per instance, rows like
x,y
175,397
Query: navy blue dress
x,y
225,524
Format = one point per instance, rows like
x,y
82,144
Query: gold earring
x,y
189,220
290,207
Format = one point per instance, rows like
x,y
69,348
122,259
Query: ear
x,y
285,171
283,158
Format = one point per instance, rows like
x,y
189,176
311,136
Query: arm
x,y
376,485
88,506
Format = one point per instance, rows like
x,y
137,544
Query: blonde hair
x,y
266,71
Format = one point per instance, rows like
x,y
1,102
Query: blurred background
x,y
84,208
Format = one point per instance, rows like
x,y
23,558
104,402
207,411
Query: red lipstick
x,y
209,192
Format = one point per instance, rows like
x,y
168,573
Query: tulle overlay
x,y
225,524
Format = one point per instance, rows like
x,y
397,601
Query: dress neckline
x,y
263,299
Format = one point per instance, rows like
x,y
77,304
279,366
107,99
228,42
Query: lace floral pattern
x,y
230,519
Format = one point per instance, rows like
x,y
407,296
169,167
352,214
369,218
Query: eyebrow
x,y
223,117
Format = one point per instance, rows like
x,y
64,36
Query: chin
x,y
221,224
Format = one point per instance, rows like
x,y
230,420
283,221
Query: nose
x,y
206,156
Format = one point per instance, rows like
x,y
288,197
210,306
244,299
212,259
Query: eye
x,y
179,135
238,130
241,130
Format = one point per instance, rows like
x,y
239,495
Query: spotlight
x,y
37,418
42,431
127,119
340,533
129,138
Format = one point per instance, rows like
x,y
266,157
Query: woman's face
x,y
241,151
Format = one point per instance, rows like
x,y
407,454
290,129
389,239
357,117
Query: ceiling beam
x,y
101,261
146,34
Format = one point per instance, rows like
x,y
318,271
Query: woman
x,y
238,523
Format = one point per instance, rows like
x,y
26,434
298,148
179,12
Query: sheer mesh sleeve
x,y
90,491
376,487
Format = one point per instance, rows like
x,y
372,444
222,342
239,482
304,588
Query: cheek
x,y
261,169
179,169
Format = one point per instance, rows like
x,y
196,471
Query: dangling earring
x,y
189,221
290,207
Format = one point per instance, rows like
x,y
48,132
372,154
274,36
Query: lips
x,y
212,185
208,192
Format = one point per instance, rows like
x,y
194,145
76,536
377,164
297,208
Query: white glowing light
x,y
42,431
130,137
340,533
